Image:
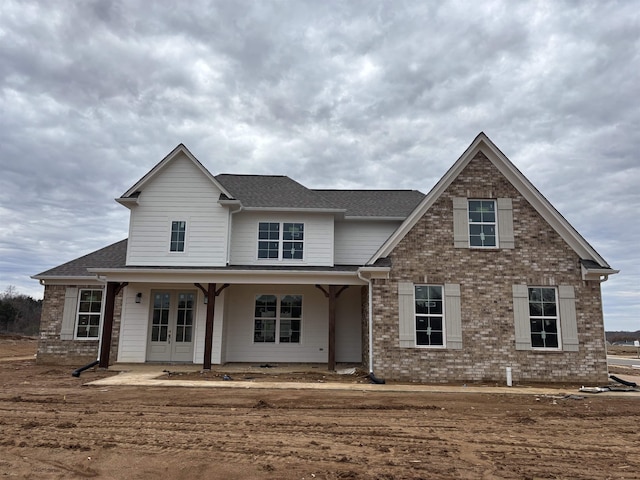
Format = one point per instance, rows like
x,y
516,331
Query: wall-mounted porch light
x,y
138,297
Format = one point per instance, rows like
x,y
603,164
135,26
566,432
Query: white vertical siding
x,y
357,241
179,192
318,238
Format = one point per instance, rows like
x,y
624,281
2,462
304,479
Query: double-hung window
x,y
429,313
178,231
543,316
277,319
280,240
482,223
89,314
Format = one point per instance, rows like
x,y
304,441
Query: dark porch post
x,y
208,331
107,327
332,327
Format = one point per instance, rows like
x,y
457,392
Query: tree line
x,y
19,314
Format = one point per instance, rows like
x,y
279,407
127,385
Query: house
x,y
480,274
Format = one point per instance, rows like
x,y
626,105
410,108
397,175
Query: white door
x,y
171,326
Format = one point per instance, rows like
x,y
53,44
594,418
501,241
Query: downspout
x,y
76,373
372,376
231,212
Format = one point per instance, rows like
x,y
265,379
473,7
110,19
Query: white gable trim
x,y
126,198
517,179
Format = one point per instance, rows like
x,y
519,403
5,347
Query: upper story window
x,y
482,223
543,315
89,313
178,231
429,313
280,241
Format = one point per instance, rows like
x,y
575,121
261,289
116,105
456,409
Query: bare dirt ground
x,y
53,427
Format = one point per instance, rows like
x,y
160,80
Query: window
x,y
178,230
543,315
429,315
89,313
482,223
282,314
280,241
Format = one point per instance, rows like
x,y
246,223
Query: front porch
x,y
218,324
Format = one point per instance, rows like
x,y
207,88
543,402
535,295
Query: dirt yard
x,y
53,427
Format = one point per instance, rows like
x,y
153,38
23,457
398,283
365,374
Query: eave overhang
x,y
374,272
597,274
226,275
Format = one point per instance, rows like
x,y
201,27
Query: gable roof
x,y
518,180
388,204
131,195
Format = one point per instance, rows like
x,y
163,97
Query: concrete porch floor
x,y
154,375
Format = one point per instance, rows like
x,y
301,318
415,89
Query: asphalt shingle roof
x,y
112,256
279,191
272,191
375,203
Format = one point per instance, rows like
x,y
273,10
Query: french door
x,y
171,326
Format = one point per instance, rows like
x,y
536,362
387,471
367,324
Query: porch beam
x,y
113,288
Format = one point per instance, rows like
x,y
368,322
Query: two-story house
x,y
480,274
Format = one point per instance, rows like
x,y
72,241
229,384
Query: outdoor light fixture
x,y
138,297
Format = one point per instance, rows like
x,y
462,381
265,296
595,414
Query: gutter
x,y
372,376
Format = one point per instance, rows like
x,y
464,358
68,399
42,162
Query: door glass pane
x,y
160,317
184,317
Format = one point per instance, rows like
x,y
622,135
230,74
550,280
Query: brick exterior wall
x,y
53,350
540,257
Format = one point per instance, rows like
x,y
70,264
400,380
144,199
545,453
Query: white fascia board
x,y
517,179
374,272
278,277
127,201
55,280
159,166
597,274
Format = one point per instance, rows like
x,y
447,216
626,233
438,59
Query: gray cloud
x,y
335,94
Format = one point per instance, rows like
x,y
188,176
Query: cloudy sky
x,y
362,94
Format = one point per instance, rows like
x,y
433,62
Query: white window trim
x,y
277,318
281,241
557,317
444,321
77,319
495,223
186,230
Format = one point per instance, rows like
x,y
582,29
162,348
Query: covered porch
x,y
235,315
